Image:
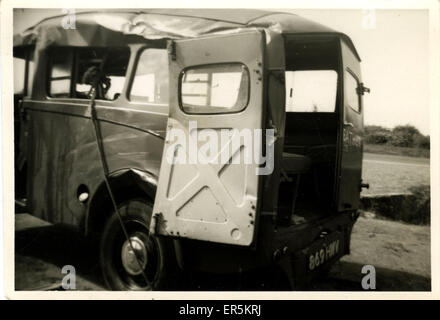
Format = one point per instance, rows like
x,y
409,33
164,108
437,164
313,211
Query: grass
x,y
399,151
421,213
389,177
413,208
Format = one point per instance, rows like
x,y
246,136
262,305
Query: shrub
x,y
403,136
421,141
377,135
422,205
378,138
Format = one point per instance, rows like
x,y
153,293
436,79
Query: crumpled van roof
x,y
113,27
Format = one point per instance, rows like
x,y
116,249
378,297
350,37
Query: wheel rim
x,y
148,252
134,256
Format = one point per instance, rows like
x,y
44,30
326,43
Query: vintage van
x,y
112,99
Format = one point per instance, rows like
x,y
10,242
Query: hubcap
x,y
131,265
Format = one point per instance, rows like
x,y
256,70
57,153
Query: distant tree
x,y
403,136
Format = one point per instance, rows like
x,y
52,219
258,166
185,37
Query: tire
x,y
120,268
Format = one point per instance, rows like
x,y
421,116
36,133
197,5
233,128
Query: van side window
x,y
23,71
351,92
31,73
221,88
19,65
60,73
311,90
150,82
75,70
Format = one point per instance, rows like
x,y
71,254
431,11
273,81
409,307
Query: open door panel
x,y
352,128
216,86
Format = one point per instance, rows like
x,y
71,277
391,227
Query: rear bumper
x,y
297,237
315,259
306,251
282,246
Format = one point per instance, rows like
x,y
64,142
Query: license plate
x,y
319,255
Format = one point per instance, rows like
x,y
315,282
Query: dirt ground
x,y
399,252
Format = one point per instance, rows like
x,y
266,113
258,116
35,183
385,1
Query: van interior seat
x,y
295,163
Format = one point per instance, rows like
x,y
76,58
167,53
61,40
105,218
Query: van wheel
x,y
120,269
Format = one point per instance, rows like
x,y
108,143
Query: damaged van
x,y
133,125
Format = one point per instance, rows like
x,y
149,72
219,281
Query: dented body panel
x,y
71,158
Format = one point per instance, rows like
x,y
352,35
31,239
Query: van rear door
x,y
352,132
206,191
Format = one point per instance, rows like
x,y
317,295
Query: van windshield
x,y
311,90
311,74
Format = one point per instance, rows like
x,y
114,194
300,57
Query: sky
x,y
393,46
395,61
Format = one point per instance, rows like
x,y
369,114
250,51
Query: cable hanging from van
x,y
97,80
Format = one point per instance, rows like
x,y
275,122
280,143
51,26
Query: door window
x,y
351,92
221,88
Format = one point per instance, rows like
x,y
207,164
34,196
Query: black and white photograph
x,y
214,149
